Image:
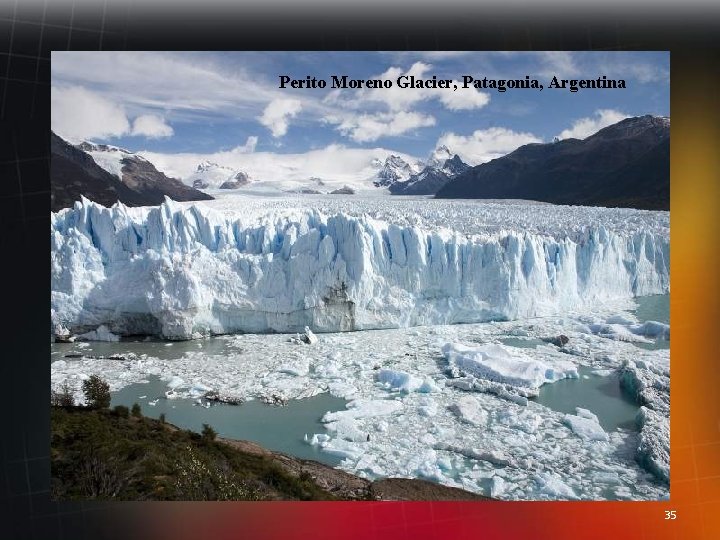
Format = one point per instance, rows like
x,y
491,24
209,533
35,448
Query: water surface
x,y
276,428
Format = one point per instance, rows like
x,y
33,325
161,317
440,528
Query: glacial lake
x,y
283,428
276,428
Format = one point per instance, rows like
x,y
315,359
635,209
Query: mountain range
x,y
626,164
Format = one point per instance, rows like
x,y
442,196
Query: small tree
x,y
122,411
63,398
208,433
162,418
97,392
136,411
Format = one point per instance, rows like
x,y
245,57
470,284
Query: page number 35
x,y
670,514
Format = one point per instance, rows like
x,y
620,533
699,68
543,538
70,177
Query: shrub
x,y
136,411
208,433
97,392
122,411
63,398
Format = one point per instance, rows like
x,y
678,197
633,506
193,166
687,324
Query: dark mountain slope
x,y
74,172
626,164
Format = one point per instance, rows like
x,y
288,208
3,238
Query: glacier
x,y
181,271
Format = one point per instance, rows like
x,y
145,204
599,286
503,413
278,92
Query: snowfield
x,y
263,264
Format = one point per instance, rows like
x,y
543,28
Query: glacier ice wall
x,y
177,271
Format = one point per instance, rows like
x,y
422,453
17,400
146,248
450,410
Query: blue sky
x,y
201,102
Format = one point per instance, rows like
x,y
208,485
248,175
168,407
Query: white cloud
x,y
151,126
356,112
249,145
584,127
277,114
78,114
335,164
560,63
464,99
190,82
486,144
371,127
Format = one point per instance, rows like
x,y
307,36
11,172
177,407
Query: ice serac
x,y
184,270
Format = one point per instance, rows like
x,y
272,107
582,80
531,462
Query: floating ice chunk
x,y
101,333
309,337
584,413
551,485
606,477
616,332
365,408
317,439
299,368
501,364
198,390
652,329
468,410
585,425
498,486
399,380
653,453
175,382
405,382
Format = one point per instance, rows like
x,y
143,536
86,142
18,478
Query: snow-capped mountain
x,y
209,174
108,174
394,169
441,167
439,156
236,181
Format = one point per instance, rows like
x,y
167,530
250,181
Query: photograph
x,y
360,276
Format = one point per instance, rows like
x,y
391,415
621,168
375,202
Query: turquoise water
x,y
277,428
525,343
601,395
654,308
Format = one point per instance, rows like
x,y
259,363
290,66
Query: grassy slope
x,y
99,454
96,454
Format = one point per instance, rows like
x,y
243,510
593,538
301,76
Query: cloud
x,y
642,72
335,164
249,146
486,144
78,114
151,126
371,127
366,115
189,82
277,114
560,63
584,127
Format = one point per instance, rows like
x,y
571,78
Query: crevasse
x,y
179,271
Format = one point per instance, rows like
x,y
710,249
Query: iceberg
x,y
180,271
498,363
